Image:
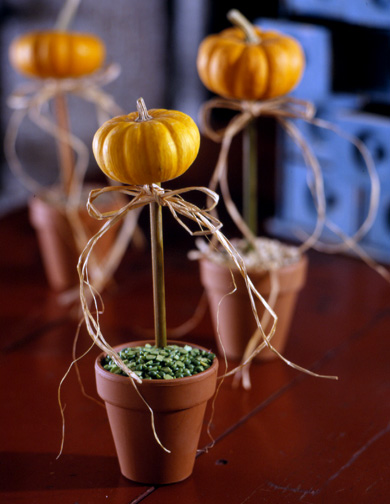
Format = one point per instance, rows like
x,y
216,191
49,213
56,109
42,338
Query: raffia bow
x,y
283,109
207,224
30,100
35,93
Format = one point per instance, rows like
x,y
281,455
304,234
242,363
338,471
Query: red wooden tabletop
x,y
292,438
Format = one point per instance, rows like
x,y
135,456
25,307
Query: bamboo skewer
x,y
156,233
250,176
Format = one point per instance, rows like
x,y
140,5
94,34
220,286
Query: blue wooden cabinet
x,y
374,13
346,181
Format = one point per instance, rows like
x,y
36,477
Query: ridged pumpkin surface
x,y
53,54
233,68
149,151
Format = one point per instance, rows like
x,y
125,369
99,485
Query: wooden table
x,y
290,439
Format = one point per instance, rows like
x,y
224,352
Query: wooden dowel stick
x,y
65,152
156,234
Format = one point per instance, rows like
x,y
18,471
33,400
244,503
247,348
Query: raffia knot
x,y
279,107
156,192
37,92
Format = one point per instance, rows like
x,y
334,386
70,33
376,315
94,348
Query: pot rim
x,y
217,277
155,382
302,261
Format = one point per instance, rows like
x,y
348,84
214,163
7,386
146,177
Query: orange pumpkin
x,y
55,54
246,63
147,146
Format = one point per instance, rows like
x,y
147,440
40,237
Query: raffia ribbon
x,y
283,109
208,225
30,101
180,209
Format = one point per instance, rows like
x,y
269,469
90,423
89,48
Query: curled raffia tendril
x,y
207,224
283,109
30,101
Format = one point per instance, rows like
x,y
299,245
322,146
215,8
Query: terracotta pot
x,y
234,314
57,243
178,405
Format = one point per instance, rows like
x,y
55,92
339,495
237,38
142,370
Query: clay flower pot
x,y
234,314
178,405
57,243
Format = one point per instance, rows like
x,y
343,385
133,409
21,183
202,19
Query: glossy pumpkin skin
x,y
233,68
54,54
146,152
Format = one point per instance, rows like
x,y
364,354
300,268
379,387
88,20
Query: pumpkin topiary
x,y
146,147
174,381
56,54
246,63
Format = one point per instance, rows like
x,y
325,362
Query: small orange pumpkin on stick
x,y
145,148
246,63
58,54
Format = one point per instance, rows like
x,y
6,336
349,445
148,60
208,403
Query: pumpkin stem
x,y
156,234
142,111
66,15
238,19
